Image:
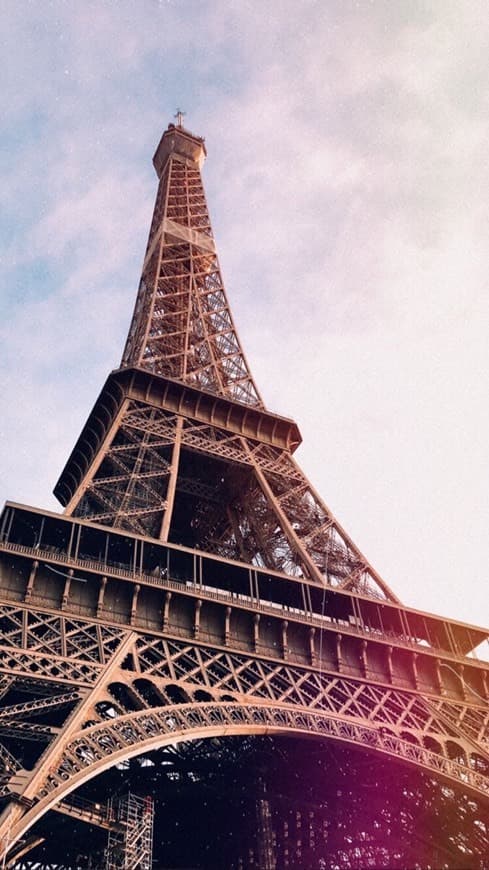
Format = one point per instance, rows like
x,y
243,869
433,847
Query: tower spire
x,y
182,325
179,115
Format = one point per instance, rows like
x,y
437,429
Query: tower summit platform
x,y
178,142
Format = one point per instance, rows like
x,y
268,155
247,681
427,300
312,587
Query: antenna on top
x,y
179,115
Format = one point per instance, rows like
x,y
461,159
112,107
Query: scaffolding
x,y
130,843
265,835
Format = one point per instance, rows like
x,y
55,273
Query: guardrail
x,y
190,587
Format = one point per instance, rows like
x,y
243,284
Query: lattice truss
x,y
61,661
48,664
235,497
80,697
182,325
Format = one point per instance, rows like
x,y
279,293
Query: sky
x,y
347,180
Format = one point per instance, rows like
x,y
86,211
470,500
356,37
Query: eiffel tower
x,y
198,627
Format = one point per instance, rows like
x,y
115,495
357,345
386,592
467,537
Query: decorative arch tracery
x,y
105,744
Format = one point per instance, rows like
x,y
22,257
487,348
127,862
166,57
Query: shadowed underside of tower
x,y
198,626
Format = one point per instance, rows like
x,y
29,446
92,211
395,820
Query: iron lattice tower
x,y
198,602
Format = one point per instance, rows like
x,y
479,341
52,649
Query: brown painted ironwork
x,y
197,586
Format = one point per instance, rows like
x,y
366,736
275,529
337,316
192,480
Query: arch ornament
x,y
103,745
